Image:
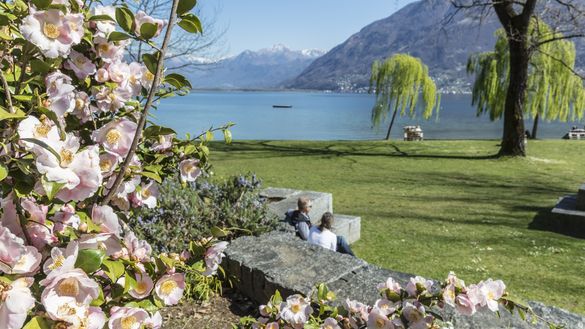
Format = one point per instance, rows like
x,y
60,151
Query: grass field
x,y
435,206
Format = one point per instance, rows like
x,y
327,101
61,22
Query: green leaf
x,y
129,281
90,260
100,299
125,19
185,6
153,131
43,145
74,6
118,36
3,172
218,232
5,115
191,24
151,60
148,30
51,188
23,98
38,323
227,136
178,81
114,269
152,175
41,4
102,18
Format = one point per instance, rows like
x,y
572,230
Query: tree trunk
x,y
514,134
534,127
391,124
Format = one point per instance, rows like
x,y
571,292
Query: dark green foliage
x,y
189,213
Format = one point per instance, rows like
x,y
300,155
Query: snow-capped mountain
x,y
264,68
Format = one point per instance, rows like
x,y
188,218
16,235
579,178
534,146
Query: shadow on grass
x,y
546,220
329,151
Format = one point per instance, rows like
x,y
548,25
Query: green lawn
x,y
436,206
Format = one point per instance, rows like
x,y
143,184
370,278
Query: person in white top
x,y
321,235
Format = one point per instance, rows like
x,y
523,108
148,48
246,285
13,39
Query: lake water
x,y
324,116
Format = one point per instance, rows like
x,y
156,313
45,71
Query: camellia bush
x,y
415,306
76,161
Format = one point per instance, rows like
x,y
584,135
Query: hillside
x,y
421,29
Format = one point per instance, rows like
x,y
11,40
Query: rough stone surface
x,y
347,226
282,261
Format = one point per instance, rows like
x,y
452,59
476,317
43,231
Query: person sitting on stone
x,y
323,236
300,218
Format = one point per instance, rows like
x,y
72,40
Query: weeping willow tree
x,y
398,82
553,91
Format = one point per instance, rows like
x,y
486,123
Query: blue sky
x,y
298,24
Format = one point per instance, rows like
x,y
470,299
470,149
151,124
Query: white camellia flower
x,y
106,219
116,137
296,311
15,257
43,130
127,318
170,288
146,195
53,32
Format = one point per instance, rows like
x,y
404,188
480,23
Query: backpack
x,y
291,217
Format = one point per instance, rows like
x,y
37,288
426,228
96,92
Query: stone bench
x,y
280,200
280,261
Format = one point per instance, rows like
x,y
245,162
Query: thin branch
x,y
149,101
7,92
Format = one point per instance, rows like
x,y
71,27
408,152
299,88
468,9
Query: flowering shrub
x,y
76,162
191,212
416,306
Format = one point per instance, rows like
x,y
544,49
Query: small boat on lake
x,y
575,133
282,106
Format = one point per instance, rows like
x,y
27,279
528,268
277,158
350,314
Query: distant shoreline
x,y
196,90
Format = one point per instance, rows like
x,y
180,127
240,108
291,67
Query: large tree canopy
x,y
399,81
553,92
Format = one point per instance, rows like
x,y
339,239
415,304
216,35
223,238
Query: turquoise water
x,y
323,116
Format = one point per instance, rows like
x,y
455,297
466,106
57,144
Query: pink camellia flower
x,y
108,242
83,108
141,18
416,316
170,288
62,259
134,81
64,308
147,78
146,195
121,198
80,65
104,28
164,143
109,52
15,257
355,307
43,130
61,93
464,305
106,219
272,325
385,306
111,100
391,289
189,170
116,137
296,311
487,293
154,322
138,250
9,217
96,318
52,31
16,301
86,165
119,72
143,286
213,257
102,75
65,217
108,163
73,283
38,229
378,320
127,318
330,323
418,285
